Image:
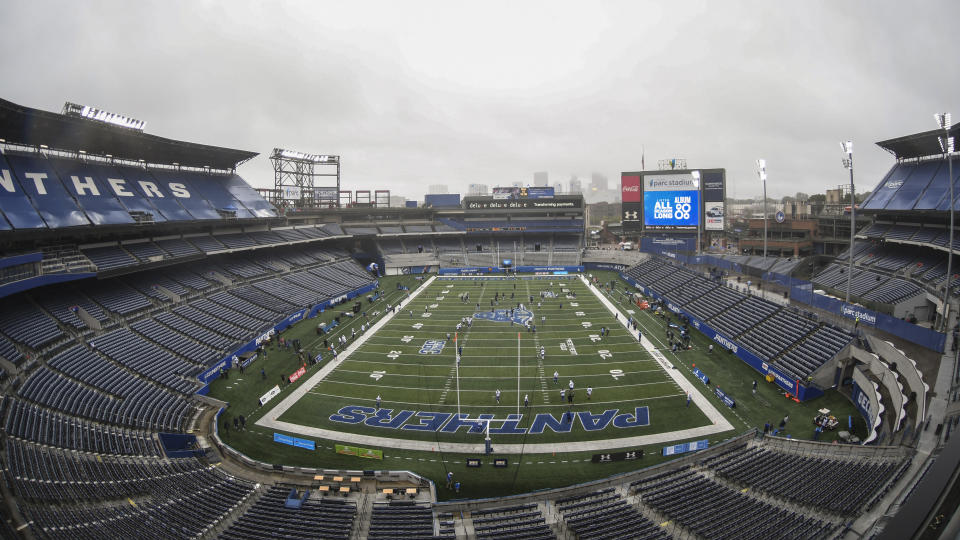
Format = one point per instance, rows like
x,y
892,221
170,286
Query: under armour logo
x,y
630,215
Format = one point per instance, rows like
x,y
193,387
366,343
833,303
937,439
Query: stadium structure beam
x,y
300,181
946,145
847,147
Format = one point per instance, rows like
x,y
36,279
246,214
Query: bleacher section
x,y
523,521
713,510
76,193
605,514
834,485
779,335
269,518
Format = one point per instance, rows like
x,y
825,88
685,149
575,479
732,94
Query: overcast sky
x,y
416,93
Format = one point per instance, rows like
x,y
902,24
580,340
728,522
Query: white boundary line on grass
x,y
270,419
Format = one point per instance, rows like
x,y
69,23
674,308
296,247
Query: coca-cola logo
x,y
631,188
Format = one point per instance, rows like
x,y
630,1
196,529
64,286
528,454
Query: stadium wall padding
x,y
803,393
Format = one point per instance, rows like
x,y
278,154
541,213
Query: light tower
x,y
847,147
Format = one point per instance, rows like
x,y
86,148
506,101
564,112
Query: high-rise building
x,y
558,188
575,187
598,183
478,190
437,189
541,179
397,201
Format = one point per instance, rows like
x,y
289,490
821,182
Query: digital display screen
x,y
673,209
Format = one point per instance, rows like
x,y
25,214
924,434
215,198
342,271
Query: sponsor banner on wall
x,y
692,446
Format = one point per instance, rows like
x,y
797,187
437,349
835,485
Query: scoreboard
x,y
672,200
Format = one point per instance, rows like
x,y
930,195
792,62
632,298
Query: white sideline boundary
x,y
270,418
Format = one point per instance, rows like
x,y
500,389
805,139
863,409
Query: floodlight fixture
x,y
100,115
762,169
943,120
280,153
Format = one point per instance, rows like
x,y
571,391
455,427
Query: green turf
x,y
414,378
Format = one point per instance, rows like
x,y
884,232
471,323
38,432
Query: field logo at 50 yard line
x,y
520,315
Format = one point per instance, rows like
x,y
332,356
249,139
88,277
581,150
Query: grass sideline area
x,y
535,471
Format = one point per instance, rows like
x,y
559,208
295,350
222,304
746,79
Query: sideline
x,y
270,418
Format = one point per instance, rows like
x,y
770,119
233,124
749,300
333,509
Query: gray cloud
x,y
411,93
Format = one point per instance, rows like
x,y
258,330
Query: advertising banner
x,y
630,188
692,446
727,400
701,375
297,374
713,216
712,183
269,395
347,450
369,453
294,441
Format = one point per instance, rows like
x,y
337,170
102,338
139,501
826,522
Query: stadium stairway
x,y
215,530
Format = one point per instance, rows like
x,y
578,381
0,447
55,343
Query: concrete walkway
x,y
718,422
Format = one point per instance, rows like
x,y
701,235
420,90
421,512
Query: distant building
x,y
575,186
558,188
478,189
437,189
598,183
397,201
541,179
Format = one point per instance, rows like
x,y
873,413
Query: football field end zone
x,y
271,418
699,399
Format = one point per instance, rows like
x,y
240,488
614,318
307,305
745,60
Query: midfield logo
x,y
520,316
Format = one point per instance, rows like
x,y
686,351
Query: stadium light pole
x,y
946,146
696,184
762,173
847,147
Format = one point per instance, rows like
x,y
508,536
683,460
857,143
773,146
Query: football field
x,y
523,341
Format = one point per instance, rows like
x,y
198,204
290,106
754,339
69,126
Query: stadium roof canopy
x,y
919,144
33,127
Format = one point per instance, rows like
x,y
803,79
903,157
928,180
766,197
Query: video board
x,y
515,192
670,201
